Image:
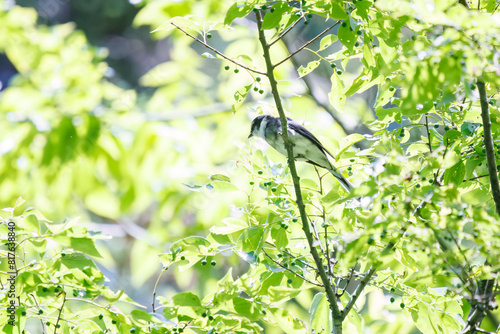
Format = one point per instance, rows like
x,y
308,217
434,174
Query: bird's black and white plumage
x,y
306,147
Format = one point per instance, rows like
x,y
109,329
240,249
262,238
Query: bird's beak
x,y
250,135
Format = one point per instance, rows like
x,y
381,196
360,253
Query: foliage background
x,y
106,121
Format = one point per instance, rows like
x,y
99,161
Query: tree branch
x,y
287,30
358,291
332,299
305,45
290,270
218,52
488,142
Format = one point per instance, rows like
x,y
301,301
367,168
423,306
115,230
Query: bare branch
x,y
218,52
305,45
287,30
290,270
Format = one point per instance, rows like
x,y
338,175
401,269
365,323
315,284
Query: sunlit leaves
x,y
303,71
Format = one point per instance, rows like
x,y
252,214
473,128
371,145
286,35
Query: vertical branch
x,y
488,142
60,311
332,299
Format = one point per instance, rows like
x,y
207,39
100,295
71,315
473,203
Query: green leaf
x,y
346,36
250,242
287,322
220,177
335,96
84,245
347,142
272,20
336,11
303,71
238,9
186,299
327,41
320,314
231,225
455,174
279,236
239,97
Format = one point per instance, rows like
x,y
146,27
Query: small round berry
x,y
294,220
436,126
260,172
40,311
58,326
417,185
252,183
402,305
393,290
209,35
292,263
204,262
132,330
204,314
101,316
333,65
272,10
306,22
264,7
261,91
210,317
258,79
349,168
393,300
339,72
181,330
264,312
256,89
226,67
23,313
213,263
236,70
359,32
431,181
183,257
344,24
113,322
280,255
255,10
352,160
289,281
274,189
356,44
47,323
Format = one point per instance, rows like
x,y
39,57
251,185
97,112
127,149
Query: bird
x,y
306,147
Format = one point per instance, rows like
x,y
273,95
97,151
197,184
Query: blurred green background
x,y
109,122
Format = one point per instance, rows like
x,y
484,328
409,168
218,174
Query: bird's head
x,y
257,124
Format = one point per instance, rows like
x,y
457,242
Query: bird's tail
x,y
343,181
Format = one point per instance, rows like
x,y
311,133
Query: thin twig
x,y
218,52
358,291
287,30
294,257
37,305
156,285
60,311
305,45
293,272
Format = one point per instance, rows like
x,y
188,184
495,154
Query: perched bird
x,y
306,147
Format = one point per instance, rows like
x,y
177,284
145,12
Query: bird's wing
x,y
300,129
